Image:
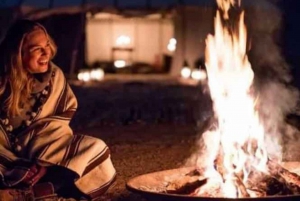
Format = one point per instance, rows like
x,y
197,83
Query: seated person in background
x,y
38,150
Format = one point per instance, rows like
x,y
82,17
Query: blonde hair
x,y
13,74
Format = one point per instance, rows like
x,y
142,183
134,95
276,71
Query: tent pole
x,y
51,3
77,40
148,4
183,26
19,10
116,2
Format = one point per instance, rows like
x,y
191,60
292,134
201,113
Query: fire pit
x,y
239,154
154,186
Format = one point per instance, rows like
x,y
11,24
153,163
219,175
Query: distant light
x,y
84,76
97,74
123,40
198,74
120,63
185,72
172,45
87,75
173,41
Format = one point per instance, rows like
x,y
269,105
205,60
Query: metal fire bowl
x,y
151,185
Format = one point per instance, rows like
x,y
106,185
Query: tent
x,y
193,20
38,9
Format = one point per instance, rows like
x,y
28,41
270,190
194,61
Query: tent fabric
x,y
122,4
39,9
104,3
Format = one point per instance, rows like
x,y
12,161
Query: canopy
x,y
192,21
122,4
39,9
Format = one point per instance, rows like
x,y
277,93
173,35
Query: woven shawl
x,y
49,140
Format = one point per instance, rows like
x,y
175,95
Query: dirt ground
x,y
140,148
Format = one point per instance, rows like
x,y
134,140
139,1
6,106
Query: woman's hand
x,y
35,173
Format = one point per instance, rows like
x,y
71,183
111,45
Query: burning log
x,y
291,179
277,186
277,169
279,181
236,178
212,188
242,190
218,163
187,184
268,185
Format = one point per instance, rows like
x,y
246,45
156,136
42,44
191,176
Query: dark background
x,y
291,36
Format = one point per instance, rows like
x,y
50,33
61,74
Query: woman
x,y
38,150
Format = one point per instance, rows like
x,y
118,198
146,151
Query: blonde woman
x,y
38,150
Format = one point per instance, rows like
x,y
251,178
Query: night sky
x,y
291,35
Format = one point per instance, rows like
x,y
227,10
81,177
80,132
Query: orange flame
x,y
230,79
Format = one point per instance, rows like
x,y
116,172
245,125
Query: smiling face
x,y
36,51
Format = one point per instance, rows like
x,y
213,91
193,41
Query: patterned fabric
x,y
50,141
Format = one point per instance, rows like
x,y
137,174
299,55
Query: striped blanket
x,y
50,141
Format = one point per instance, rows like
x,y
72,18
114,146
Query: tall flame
x,y
230,79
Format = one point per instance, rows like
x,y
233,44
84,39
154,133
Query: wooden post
x,y
76,45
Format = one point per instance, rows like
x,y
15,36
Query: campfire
x,y
235,163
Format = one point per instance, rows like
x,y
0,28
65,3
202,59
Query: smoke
x,y
277,97
264,23
207,145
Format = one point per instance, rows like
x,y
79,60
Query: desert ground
x,y
140,148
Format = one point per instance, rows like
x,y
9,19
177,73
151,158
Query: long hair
x,y
16,81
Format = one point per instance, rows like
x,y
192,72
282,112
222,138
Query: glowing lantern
x,y
123,40
87,75
120,63
172,45
97,74
186,70
198,74
84,75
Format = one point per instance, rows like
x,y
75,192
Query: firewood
x,y
241,187
256,193
277,186
185,185
278,181
212,188
274,183
267,184
277,169
195,172
219,164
